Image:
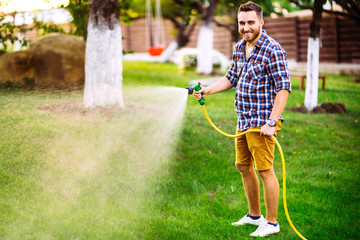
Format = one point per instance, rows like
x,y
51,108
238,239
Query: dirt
x,y
75,109
327,107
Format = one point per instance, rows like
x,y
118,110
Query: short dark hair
x,y
250,6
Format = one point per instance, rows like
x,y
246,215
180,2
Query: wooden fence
x,y
340,38
134,37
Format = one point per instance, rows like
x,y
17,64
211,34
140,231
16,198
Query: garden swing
x,y
155,32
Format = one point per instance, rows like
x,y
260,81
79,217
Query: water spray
x,y
197,87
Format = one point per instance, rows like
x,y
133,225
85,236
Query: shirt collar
x,y
261,40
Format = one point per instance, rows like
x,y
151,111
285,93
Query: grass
x,y
67,174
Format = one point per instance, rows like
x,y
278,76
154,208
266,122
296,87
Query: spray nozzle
x,y
197,88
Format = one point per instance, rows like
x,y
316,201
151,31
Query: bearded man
x,y
260,75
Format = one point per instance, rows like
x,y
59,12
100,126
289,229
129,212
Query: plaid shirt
x,y
257,80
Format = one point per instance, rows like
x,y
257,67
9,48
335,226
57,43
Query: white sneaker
x,y
265,229
247,220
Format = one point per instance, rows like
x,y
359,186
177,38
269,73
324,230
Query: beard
x,y
251,34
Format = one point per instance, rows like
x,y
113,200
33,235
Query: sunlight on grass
x,y
93,174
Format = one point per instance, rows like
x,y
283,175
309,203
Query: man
x,y
259,73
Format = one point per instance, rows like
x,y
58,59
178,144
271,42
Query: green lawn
x,y
66,173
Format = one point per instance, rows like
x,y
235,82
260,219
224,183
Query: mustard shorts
x,y
255,148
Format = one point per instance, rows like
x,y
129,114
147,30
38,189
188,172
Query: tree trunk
x,y
206,37
103,60
184,30
312,76
205,48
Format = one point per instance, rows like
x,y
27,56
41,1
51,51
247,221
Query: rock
x,y
55,60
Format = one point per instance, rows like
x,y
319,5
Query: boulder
x,y
55,60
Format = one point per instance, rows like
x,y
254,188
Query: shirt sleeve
x,y
231,73
279,70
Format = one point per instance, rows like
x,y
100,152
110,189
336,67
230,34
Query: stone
x,y
55,60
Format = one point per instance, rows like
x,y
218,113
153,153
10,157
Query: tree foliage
x,y
350,8
46,28
183,16
9,33
230,7
79,10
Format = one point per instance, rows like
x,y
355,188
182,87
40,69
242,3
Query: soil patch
x,y
75,109
323,108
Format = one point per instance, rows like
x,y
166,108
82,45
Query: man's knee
x,y
265,174
243,169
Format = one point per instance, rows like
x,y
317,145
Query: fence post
x,y
297,43
334,23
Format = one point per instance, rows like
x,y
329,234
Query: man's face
x,y
250,26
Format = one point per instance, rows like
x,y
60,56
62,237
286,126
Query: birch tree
x,y
103,56
205,42
313,51
180,13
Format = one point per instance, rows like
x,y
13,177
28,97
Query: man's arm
x,y
278,108
221,85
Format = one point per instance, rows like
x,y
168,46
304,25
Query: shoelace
x,y
262,226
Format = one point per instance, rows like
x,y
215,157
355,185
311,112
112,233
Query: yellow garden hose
x,y
282,160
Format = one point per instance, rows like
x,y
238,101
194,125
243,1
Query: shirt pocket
x,y
255,71
257,78
239,68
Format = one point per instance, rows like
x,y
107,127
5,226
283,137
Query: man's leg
x,y
251,187
245,164
262,150
271,193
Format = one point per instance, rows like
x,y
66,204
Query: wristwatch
x,y
271,122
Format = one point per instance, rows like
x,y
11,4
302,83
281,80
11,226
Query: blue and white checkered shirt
x,y
257,80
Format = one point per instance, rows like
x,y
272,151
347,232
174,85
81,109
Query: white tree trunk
x,y
312,76
205,48
103,65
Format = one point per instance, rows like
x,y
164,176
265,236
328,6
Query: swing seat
x,y
156,50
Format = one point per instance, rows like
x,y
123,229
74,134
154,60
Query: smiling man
x,y
260,75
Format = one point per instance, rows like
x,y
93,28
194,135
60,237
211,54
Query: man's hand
x,y
198,95
221,85
266,130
